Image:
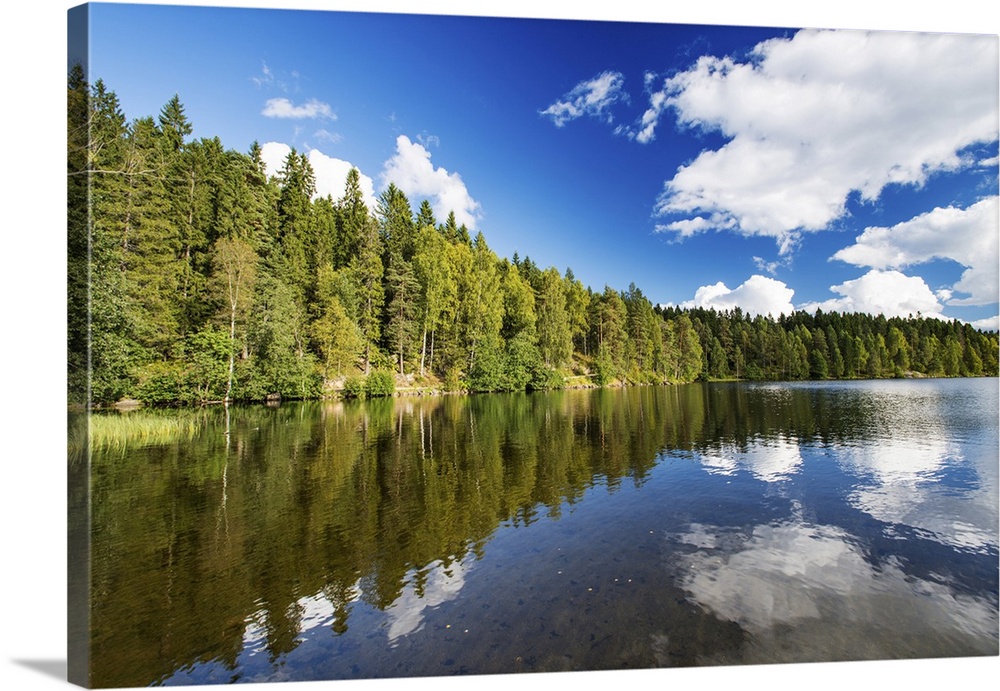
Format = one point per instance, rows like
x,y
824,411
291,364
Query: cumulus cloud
x,y
331,173
813,119
274,154
331,176
966,236
988,324
284,108
411,170
592,97
757,295
882,292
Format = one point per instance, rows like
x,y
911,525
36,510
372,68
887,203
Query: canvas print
x,y
408,345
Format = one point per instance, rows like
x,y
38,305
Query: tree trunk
x,y
423,349
430,362
232,350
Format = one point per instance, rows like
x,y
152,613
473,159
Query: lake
x,y
703,524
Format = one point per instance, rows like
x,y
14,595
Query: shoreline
x,y
130,404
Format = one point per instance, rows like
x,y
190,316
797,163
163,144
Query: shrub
x,y
545,379
160,383
604,369
380,383
453,379
354,387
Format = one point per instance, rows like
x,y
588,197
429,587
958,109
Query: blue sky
x,y
768,168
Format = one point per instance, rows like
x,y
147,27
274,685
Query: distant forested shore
x,y
193,276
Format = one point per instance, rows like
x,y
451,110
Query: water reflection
x,y
343,540
914,484
767,460
809,592
933,469
439,584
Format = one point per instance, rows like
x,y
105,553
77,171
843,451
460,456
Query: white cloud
x,y
814,118
882,292
757,295
411,170
988,324
591,97
331,176
764,265
647,123
688,227
967,236
331,173
284,108
274,154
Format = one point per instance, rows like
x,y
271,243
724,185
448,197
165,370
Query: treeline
x,y
209,280
838,346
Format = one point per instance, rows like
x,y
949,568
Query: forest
x,y
193,276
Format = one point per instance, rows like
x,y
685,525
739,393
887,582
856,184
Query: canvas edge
x,y
78,460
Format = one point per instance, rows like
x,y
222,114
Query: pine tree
x,y
425,216
402,284
396,224
296,232
78,236
174,125
367,270
353,222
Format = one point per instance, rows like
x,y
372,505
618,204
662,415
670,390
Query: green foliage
x,y
487,374
380,383
161,383
453,379
354,387
522,364
196,278
207,373
544,378
555,338
604,368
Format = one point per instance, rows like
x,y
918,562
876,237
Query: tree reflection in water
x,y
342,539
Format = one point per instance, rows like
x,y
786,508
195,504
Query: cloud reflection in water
x,y
807,592
771,460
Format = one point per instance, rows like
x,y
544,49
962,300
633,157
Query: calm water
x,y
608,529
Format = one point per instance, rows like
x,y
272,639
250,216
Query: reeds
x,y
120,431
